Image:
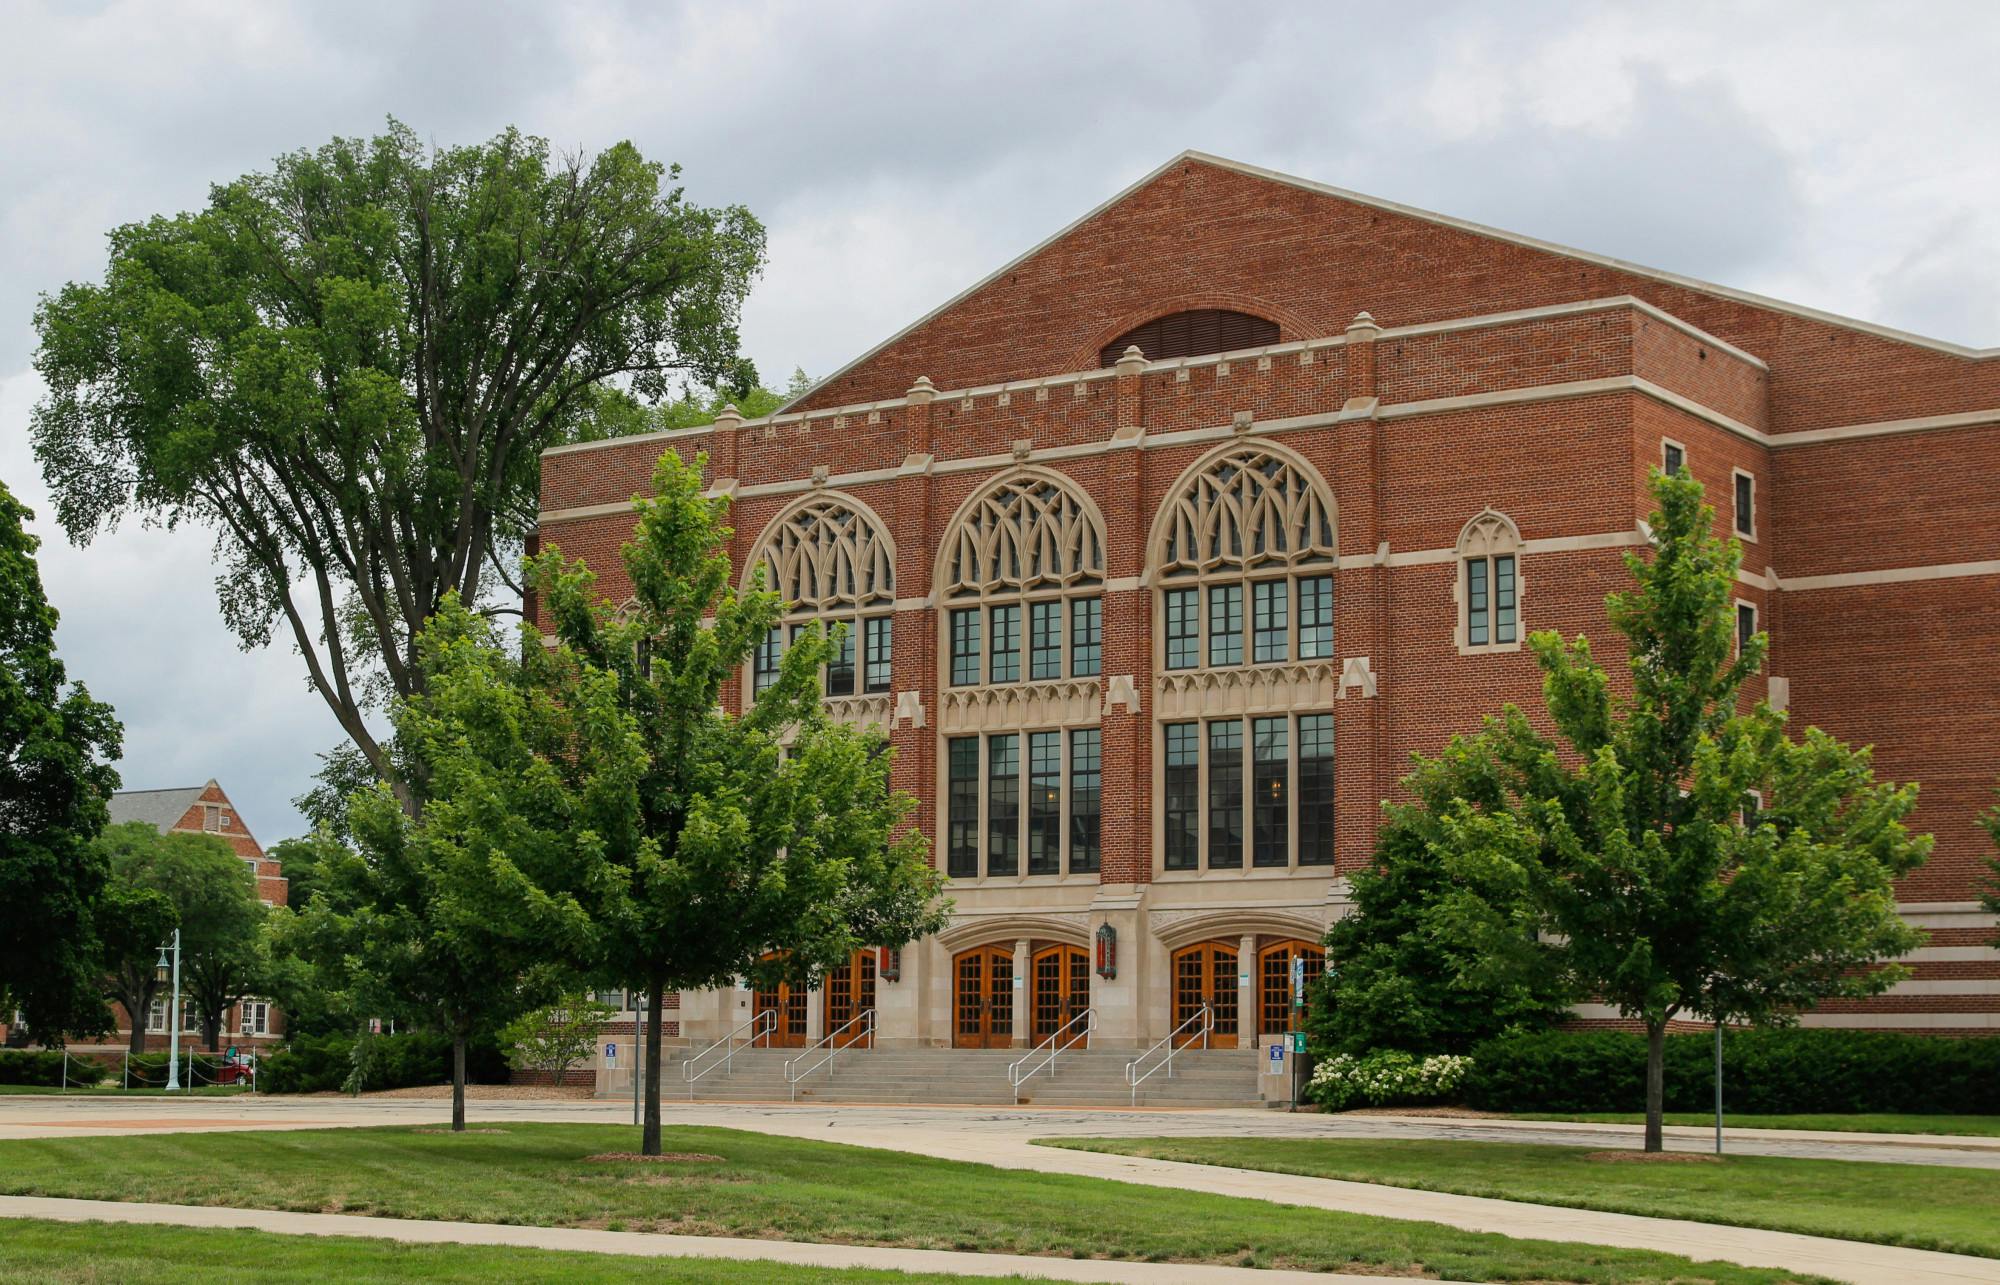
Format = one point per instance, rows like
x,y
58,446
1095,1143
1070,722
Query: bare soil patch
x,y
665,1158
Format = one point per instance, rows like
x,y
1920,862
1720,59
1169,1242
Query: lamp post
x,y
160,973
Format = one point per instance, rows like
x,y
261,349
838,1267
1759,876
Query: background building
x,y
1162,549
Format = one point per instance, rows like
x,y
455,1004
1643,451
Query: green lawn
x,y
1980,1126
787,1189
1923,1206
126,1254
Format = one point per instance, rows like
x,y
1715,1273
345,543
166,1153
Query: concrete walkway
x,y
648,1245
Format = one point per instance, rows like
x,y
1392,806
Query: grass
x,y
127,1254
788,1189
1976,1126
1921,1206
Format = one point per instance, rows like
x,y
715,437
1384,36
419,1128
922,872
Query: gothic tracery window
x,y
1489,584
830,562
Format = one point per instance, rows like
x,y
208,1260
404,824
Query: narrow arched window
x,y
1020,585
828,558
1193,333
1243,567
1489,584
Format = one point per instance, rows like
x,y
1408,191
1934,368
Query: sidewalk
x,y
648,1245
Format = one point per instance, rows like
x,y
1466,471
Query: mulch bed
x,y
670,1157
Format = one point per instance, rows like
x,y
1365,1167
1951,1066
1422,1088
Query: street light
x,y
161,974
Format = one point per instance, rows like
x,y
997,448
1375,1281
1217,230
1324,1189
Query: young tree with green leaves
x,y
348,368
555,1037
772,832
56,750
1684,857
465,915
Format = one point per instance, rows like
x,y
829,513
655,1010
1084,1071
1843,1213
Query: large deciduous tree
x,y
770,834
468,913
347,368
56,750
1684,857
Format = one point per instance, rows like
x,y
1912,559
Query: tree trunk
x,y
1656,1080
211,1033
137,1044
458,1082
649,1142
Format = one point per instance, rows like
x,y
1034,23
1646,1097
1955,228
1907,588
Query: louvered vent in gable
x,y
1192,334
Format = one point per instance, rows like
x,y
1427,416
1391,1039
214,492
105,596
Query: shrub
x,y
323,1063
1769,1071
41,1067
1387,1077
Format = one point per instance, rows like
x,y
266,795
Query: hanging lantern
x,y
889,963
1107,951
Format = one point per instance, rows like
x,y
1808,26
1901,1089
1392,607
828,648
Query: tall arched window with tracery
x,y
1243,565
829,559
1019,587
1489,584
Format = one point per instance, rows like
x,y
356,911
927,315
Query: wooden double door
x,y
984,995
1206,973
849,989
850,992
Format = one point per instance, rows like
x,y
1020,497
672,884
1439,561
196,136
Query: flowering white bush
x,y
1387,1078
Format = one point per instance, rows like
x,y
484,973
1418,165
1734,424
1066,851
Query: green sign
x,y
1298,1041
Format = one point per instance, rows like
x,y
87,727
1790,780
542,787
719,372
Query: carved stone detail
x,y
1247,509
1260,689
1003,706
1355,673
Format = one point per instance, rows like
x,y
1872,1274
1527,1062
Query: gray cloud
x,y
900,151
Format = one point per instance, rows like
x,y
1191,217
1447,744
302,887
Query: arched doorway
x,y
850,991
1060,978
1275,1012
983,998
1205,973
789,1003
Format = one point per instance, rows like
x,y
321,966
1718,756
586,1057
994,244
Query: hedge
x,y
44,1068
1766,1071
322,1063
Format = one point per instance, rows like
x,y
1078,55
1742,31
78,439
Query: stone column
x,y
1022,1022
1246,992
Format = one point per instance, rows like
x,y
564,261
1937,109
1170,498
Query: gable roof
x,y
1410,211
161,809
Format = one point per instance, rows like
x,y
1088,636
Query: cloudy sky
x,y
1834,154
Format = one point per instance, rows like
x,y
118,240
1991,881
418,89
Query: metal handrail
x,y
866,1017
1204,1015
768,1019
1019,1072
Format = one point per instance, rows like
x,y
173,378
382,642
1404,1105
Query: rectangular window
x,y
1044,803
1746,505
1315,789
1085,785
156,1017
1316,618
211,818
1004,658
1746,625
840,661
1225,795
254,1017
1673,458
1270,638
1225,624
1183,629
1003,804
1503,598
1086,637
962,808
1270,785
613,1000
1478,607
879,637
1181,804
964,646
1044,640
764,664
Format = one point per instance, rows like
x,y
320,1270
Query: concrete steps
x,y
1083,1077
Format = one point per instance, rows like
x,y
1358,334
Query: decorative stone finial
x,y
1363,326
1131,361
922,391
729,417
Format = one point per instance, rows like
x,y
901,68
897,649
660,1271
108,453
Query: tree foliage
x,y
762,843
1990,896
56,750
555,1037
1688,857
348,367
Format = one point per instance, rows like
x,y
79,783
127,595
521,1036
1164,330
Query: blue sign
x,y
1277,1056
611,1055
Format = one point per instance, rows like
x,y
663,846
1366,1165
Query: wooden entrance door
x,y
983,998
789,1002
1060,977
1274,983
1206,974
850,991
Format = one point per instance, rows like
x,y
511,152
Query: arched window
x,y
1193,333
1489,584
1243,564
1020,584
829,560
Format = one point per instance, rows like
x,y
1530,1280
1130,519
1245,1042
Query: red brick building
x,y
1164,546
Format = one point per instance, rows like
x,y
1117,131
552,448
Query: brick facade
x,y
1489,372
